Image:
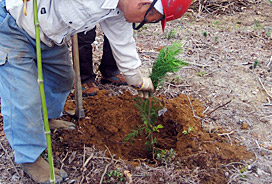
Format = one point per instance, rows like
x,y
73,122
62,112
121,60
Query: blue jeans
x,y
19,90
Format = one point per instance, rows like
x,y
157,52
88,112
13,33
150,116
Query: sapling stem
x,y
40,82
166,62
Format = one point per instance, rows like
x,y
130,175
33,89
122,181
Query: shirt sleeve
x,y
120,35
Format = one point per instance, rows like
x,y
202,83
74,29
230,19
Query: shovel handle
x,y
78,88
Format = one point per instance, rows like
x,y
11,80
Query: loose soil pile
x,y
109,119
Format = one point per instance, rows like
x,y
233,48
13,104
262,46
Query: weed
x,y
215,24
243,170
255,64
166,156
237,25
257,25
201,74
268,32
171,34
190,129
176,80
205,34
115,175
216,39
143,28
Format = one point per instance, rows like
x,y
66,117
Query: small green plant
x,y
114,175
176,80
217,22
190,129
216,39
143,28
149,113
171,34
201,74
268,32
258,25
205,34
255,64
243,170
166,156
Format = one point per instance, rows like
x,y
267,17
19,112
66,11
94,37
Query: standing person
x,y
108,67
59,20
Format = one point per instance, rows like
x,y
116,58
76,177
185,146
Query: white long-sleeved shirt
x,y
60,19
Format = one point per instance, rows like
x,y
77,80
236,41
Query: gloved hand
x,y
146,88
144,85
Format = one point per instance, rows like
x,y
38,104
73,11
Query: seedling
x,y
243,170
176,80
216,39
149,112
115,175
171,34
201,74
258,25
190,129
255,64
166,156
166,62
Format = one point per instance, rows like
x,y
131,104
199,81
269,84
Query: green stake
x,y
40,81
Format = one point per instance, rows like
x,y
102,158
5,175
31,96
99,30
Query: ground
x,y
223,96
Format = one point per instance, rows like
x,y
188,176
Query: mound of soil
x,y
109,119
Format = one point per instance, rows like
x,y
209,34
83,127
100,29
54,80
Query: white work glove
x,y
144,85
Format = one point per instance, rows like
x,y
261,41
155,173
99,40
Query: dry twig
x,y
105,171
264,87
220,106
9,159
195,116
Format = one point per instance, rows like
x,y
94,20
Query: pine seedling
x,y
149,114
166,62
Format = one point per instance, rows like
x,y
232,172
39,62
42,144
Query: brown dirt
x,y
110,118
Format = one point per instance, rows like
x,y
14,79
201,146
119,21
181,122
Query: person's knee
x,y
62,82
69,80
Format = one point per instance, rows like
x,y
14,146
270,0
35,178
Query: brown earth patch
x,y
109,119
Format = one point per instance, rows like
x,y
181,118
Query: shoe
x,y
61,124
89,89
115,80
39,171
